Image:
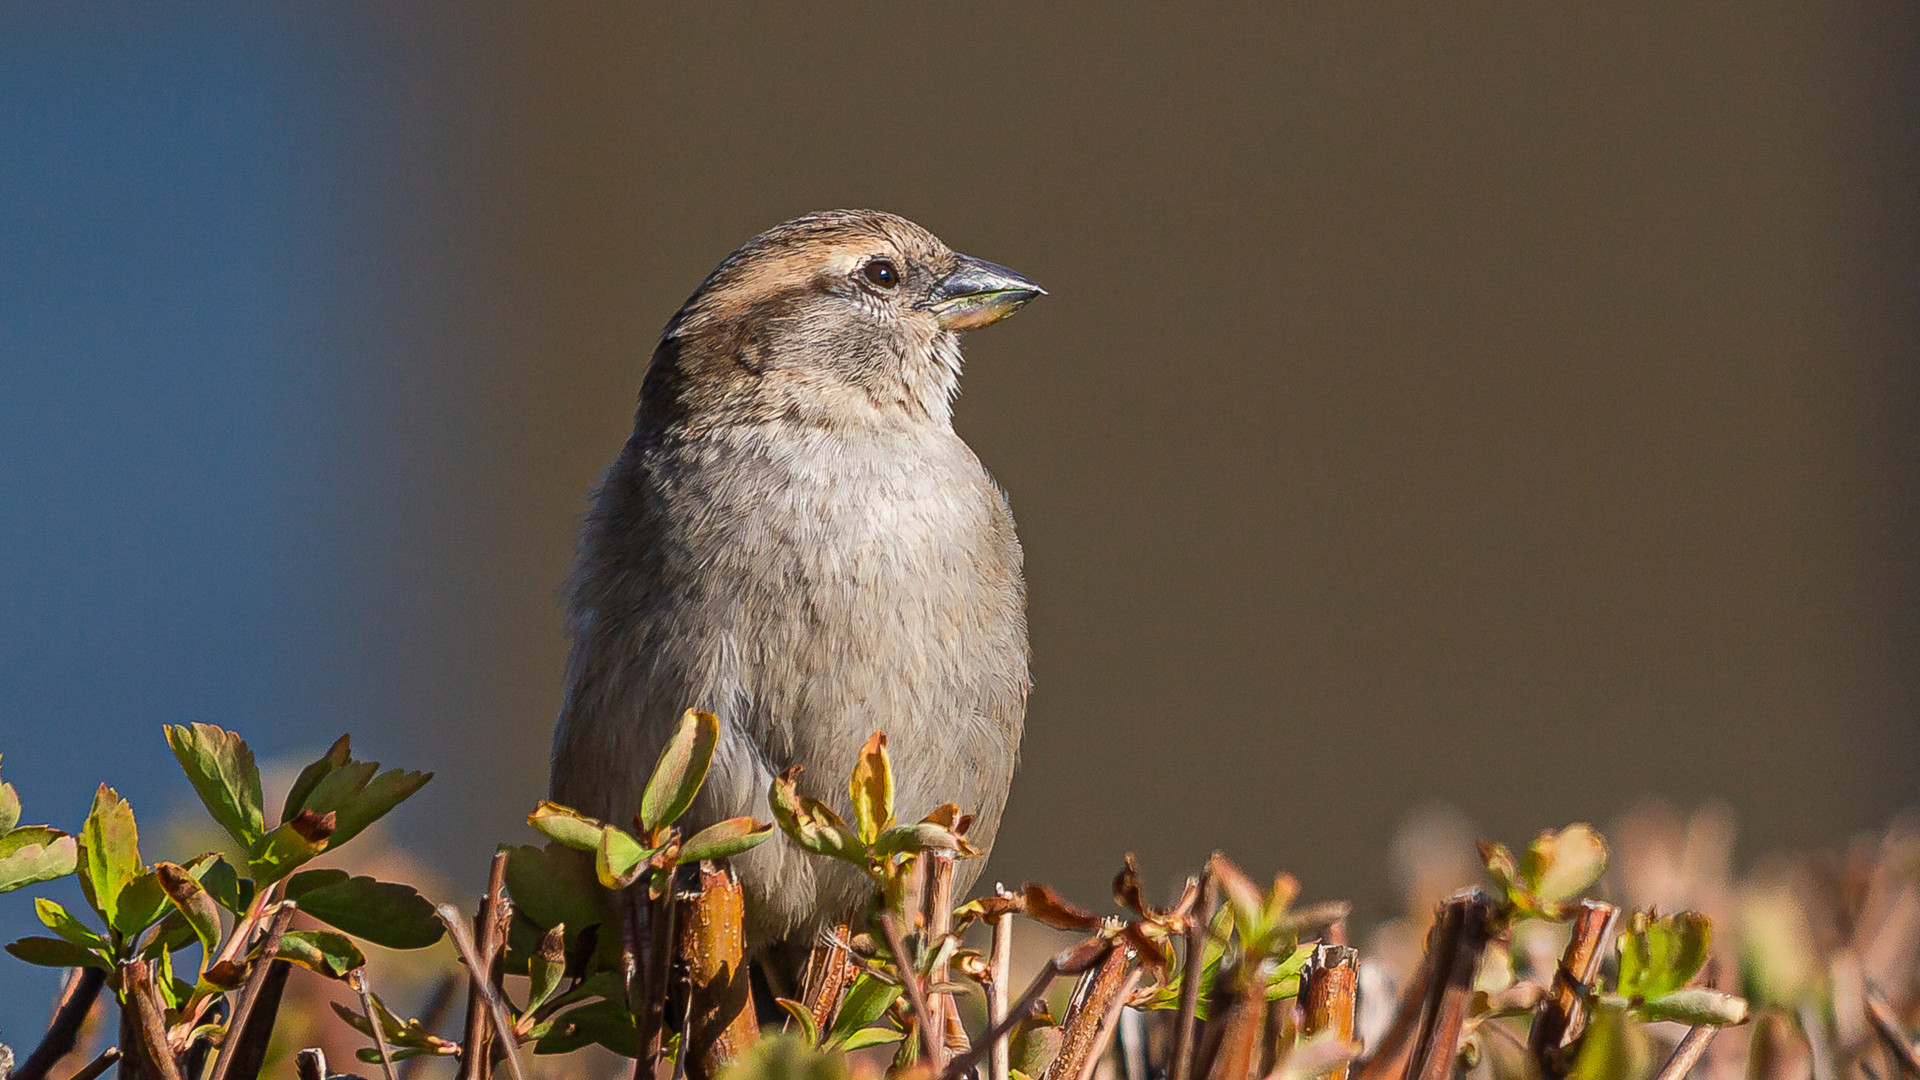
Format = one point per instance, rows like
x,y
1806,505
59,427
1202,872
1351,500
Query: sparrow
x,y
795,540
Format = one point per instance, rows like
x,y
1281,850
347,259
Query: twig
x,y
63,1032
932,1041
712,946
250,993
826,977
938,920
1464,925
1000,963
1109,1021
1388,1059
147,1021
1687,1054
1180,1055
654,967
1328,996
476,1055
92,1069
1080,1030
477,975
1069,961
1888,1027
1559,1022
310,1064
358,981
1227,1052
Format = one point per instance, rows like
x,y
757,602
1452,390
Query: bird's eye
x,y
882,272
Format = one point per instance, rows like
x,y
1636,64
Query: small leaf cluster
x,y
883,848
620,856
150,912
1551,875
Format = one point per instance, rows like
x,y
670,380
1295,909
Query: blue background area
x,y
183,334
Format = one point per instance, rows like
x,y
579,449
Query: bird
x,y
795,539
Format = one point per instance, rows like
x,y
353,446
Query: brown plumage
x,y
795,539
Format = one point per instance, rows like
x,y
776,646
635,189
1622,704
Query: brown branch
x,y
653,964
1327,997
932,1041
1558,1024
826,978
92,1069
1387,1061
1460,935
1887,1025
1081,1026
483,985
1186,1020
63,1032
1000,964
1228,1055
241,1041
937,917
1069,961
357,980
1109,1021
147,1021
478,1047
1687,1054
712,946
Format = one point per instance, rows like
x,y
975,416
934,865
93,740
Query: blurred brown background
x,y
1510,405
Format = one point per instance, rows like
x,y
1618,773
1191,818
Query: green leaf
x,y
619,859
194,904
9,807
867,1001
321,951
383,912
55,918
1612,1047
724,839
142,903
918,837
109,851
811,823
870,788
35,854
547,968
1560,865
567,826
802,1016
605,1022
1034,1044
1660,956
786,1057
382,794
56,953
873,1036
281,852
1710,1008
338,755
555,886
226,886
223,773
681,770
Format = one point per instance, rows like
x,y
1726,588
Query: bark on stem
x,y
1081,1028
1559,1023
1328,995
1000,963
1460,935
1109,1021
238,1031
932,1038
712,946
1070,961
147,1022
489,933
1186,1020
1687,1054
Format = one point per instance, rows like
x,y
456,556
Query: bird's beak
x,y
979,293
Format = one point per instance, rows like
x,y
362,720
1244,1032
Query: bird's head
x,y
844,317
